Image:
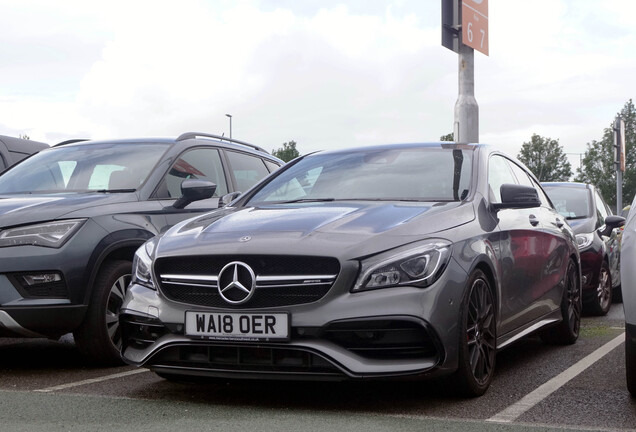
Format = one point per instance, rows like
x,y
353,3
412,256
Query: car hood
x,y
582,226
24,209
347,229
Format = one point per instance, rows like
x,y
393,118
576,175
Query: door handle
x,y
559,223
533,220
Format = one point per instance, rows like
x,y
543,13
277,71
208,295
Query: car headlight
x,y
419,266
142,264
584,240
49,234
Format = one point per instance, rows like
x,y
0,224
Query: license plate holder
x,y
238,326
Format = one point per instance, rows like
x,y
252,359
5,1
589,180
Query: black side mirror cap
x,y
611,222
194,190
515,196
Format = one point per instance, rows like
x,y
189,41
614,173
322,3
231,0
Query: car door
x,y
520,248
553,258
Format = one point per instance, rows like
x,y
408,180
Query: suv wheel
x,y
99,336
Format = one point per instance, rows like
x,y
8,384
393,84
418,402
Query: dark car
x,y
628,276
72,216
401,260
13,150
596,232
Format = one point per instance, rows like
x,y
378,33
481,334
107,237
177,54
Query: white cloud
x,y
325,74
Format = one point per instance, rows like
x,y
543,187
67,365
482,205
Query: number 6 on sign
x,y
475,20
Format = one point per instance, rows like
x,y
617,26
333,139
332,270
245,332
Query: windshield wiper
x,y
302,200
114,190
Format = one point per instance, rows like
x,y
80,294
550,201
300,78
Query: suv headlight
x,y
416,265
142,264
49,234
584,240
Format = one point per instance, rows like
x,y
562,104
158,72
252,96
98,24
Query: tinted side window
x,y
200,163
271,166
499,173
247,169
601,209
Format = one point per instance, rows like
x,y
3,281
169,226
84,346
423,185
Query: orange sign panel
x,y
475,24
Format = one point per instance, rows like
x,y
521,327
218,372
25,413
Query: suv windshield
x,y
572,203
104,167
406,174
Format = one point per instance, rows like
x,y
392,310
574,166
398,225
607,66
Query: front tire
x,y
477,338
602,301
567,331
630,363
99,336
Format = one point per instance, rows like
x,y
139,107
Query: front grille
x,y
244,359
280,280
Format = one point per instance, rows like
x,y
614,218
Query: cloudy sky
x,y
324,73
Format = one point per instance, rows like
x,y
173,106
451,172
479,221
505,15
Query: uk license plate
x,y
237,326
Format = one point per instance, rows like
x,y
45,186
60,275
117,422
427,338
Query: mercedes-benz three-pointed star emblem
x,y
236,282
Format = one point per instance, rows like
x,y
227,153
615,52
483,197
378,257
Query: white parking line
x,y
514,411
91,381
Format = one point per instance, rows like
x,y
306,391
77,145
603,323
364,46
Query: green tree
x,y
447,137
597,166
546,159
287,152
24,136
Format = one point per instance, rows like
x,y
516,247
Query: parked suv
x,y
599,244
72,216
13,150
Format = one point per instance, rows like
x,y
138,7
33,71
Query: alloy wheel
x,y
115,301
574,306
604,289
480,332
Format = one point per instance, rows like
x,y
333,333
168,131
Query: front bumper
x,y
374,334
46,309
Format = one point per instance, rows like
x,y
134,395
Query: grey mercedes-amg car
x,y
399,260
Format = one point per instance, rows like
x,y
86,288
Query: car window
x,y
601,208
521,175
570,202
499,173
398,174
247,169
198,163
83,168
271,166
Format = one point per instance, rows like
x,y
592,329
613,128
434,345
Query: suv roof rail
x,y
189,135
71,141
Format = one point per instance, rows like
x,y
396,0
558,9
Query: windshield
x,y
403,174
104,167
571,203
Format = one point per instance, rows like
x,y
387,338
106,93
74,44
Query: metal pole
x,y
619,173
466,128
230,117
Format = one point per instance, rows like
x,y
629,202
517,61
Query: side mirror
x,y
611,223
228,198
194,190
514,196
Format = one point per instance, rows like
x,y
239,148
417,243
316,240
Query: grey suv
x,y
72,216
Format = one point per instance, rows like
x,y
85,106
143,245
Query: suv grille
x,y
280,280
